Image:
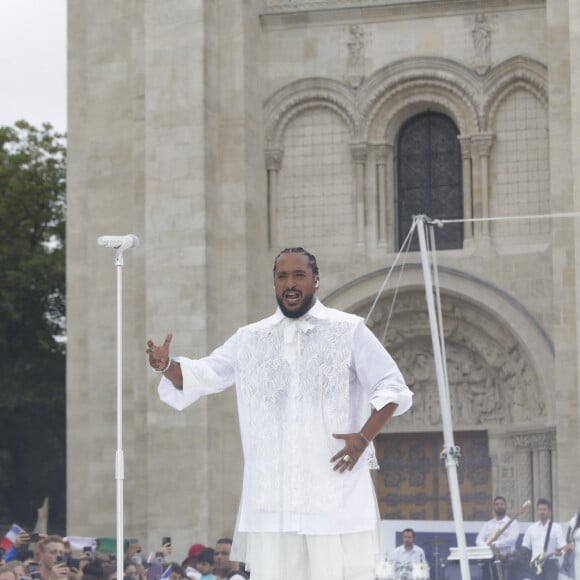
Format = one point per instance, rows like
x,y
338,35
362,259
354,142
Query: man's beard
x,y
500,513
306,306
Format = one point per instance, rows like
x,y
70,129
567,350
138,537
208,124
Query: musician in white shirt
x,y
503,543
407,553
535,540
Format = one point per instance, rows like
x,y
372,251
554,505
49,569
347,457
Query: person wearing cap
x,y
190,563
195,550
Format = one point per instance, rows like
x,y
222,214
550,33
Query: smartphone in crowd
x,y
34,537
165,540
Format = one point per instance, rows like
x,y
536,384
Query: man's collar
x,y
318,310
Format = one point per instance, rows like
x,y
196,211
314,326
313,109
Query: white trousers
x,y
289,556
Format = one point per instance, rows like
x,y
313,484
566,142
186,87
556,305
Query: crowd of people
x,y
51,557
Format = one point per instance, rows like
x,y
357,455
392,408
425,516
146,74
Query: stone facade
x,y
220,132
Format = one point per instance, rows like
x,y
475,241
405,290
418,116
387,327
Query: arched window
x,y
428,161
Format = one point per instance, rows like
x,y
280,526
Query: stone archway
x,y
491,379
500,367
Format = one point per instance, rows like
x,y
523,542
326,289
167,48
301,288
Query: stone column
x,y
563,62
465,143
359,157
524,478
544,444
382,155
273,164
483,143
535,465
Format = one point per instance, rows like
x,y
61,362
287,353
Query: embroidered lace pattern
x,y
282,398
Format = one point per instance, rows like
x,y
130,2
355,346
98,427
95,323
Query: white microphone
x,y
119,243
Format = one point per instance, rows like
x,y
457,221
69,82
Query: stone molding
x,y
292,99
465,144
482,143
535,441
382,152
274,159
422,79
480,318
359,152
385,100
511,75
389,7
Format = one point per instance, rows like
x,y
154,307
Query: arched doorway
x,y
500,366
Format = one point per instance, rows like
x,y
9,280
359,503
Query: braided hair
x,y
299,250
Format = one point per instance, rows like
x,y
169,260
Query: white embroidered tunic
x,y
298,381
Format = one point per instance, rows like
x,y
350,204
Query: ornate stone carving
x,y
490,378
382,153
481,35
465,143
535,441
356,55
359,152
274,159
482,143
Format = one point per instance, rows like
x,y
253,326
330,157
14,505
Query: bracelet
x,y
362,436
163,370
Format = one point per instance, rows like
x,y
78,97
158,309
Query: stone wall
x,y
220,132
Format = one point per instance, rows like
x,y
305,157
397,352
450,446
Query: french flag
x,y
8,540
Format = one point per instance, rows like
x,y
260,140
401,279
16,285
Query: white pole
x,y
119,458
119,244
450,451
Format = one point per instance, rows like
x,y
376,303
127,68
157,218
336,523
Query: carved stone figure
x,y
481,34
356,45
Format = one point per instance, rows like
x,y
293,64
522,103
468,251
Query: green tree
x,y
32,324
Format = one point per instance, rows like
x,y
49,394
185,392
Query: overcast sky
x,y
33,62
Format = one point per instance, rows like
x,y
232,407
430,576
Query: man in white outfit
x,y
314,387
502,544
545,539
407,553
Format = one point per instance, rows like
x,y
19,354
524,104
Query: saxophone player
x,y
500,534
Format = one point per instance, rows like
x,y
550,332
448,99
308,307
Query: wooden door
x,y
412,481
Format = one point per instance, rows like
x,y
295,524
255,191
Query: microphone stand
x,y
119,459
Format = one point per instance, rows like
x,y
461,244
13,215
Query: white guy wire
x,y
506,218
378,296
